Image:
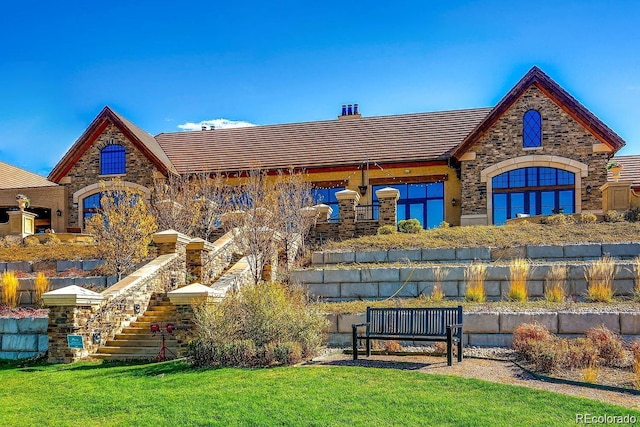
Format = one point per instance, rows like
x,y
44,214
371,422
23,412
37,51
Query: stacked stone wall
x,y
562,136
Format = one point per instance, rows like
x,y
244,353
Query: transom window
x,y
531,129
532,191
112,160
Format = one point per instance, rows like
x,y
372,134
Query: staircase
x,y
137,342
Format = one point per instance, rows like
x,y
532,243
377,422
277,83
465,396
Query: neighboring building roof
x,y
630,169
568,103
138,137
384,139
12,177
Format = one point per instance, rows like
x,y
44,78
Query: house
x,y
537,151
46,200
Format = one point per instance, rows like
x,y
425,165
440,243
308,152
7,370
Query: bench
x,y
412,324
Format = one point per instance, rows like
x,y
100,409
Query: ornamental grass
x,y
599,275
10,285
474,276
554,283
518,275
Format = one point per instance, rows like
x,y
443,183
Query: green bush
x,y
632,215
278,321
387,229
409,226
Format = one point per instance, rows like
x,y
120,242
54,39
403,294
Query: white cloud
x,y
216,123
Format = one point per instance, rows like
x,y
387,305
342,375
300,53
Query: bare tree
x,y
212,195
292,220
174,205
122,227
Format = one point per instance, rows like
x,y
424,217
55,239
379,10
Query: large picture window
x,y
532,191
422,201
112,160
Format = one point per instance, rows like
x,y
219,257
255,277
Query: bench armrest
x,y
455,326
355,325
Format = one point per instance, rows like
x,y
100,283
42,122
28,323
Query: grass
x,y
518,274
10,289
474,276
171,393
508,236
599,277
554,283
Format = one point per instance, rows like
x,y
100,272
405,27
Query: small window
x,y
532,129
112,160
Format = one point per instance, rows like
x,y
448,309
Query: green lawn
x,y
172,394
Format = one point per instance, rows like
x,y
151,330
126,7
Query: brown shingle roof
x,y
630,169
12,177
384,139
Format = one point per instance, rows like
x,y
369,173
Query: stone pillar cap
x,y
616,184
388,193
348,195
170,236
310,211
72,296
190,294
324,208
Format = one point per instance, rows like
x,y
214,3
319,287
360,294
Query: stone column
x,y
615,196
70,312
388,198
347,200
170,241
184,300
324,212
197,256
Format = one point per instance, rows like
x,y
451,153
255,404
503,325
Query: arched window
x,y
112,160
531,129
532,191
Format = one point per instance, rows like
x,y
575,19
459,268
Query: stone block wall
x,y
495,329
23,338
373,283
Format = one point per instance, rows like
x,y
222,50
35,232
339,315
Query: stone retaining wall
x,y
59,266
335,284
23,338
493,329
575,252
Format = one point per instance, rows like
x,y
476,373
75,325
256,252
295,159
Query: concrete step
x,y
126,357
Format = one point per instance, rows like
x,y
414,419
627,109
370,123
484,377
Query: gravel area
x,y
488,364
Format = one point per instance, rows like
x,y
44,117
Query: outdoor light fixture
x,y
155,328
453,201
363,189
95,337
75,206
588,188
170,328
59,212
136,308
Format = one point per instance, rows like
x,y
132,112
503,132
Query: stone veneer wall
x,y
206,261
117,310
562,136
86,170
23,338
496,329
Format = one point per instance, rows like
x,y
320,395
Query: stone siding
x,y
562,136
86,170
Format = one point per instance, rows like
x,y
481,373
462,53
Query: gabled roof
x,y
139,138
630,169
549,87
12,177
417,137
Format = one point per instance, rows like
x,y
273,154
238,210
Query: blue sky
x,y
162,64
